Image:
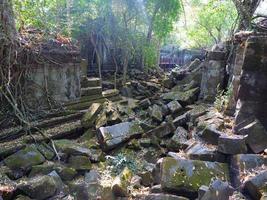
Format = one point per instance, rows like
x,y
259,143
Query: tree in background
x,y
213,21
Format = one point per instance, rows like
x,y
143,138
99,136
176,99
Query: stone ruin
x,y
162,140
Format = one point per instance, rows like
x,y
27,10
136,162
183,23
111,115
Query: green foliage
x,y
150,55
222,98
214,22
120,161
163,14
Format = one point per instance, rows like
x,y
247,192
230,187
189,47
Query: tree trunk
x,y
8,36
245,10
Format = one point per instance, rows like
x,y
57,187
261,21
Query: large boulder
x,y
111,136
42,187
24,159
186,176
233,144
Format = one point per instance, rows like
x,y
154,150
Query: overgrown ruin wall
x,y
60,82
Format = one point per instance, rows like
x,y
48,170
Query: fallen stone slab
x,y
174,107
184,98
256,185
144,104
199,151
163,130
186,176
234,144
111,136
181,120
156,113
257,136
90,116
91,91
210,135
179,140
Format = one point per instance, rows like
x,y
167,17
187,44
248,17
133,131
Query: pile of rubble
x,y
163,141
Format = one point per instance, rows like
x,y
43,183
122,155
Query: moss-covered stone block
x,y
188,175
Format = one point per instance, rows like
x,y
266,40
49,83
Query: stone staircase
x,y
62,124
91,87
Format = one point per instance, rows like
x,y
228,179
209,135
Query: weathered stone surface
x,y
89,91
257,136
174,107
144,104
198,151
90,82
90,116
80,163
181,120
248,161
156,113
46,151
160,197
41,187
252,93
146,178
121,183
188,175
213,76
178,140
162,130
210,135
24,159
168,82
256,185
92,177
234,144
185,98
111,136
110,93
72,148
218,190
156,189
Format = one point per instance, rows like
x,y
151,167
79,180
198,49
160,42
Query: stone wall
x,y
252,94
213,75
61,82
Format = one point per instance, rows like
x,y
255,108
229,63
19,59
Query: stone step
x,y
71,129
16,132
90,82
90,91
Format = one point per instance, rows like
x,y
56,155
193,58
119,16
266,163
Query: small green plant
x,y
120,161
222,98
